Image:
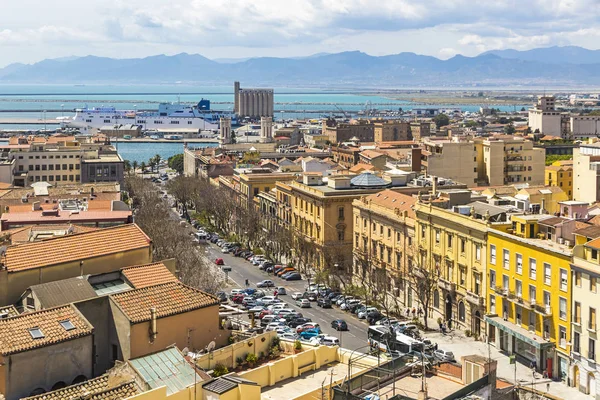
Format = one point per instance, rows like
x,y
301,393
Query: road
x,y
355,337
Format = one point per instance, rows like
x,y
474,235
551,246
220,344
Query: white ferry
x,y
169,116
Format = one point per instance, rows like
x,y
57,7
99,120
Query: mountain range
x,y
567,65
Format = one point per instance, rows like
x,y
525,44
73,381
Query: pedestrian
x,y
407,312
247,283
420,311
435,346
450,323
414,311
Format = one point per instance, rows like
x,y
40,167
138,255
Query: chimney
x,y
434,190
36,206
153,332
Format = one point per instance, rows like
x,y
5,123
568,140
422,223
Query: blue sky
x,y
31,30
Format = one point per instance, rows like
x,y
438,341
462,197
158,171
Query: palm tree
x,y
134,165
157,158
143,167
151,164
127,166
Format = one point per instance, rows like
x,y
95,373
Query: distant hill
x,y
552,55
353,68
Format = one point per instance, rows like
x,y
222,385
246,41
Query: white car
x,y
346,305
343,299
278,306
297,295
235,291
267,319
273,326
443,355
330,341
268,300
303,303
363,314
288,335
257,260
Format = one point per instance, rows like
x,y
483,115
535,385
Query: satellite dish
x,y
211,346
185,350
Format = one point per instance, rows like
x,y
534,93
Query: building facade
x,y
391,131
544,118
360,129
253,103
586,173
560,174
529,310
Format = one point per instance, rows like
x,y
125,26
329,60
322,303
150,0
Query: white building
x,y
544,118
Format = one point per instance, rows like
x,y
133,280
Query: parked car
x,y
310,325
324,302
285,270
265,265
354,307
349,303
443,355
362,314
234,292
267,319
310,333
219,261
238,298
330,341
265,283
333,295
373,317
312,296
294,323
288,335
339,325
222,297
297,295
293,277
303,303
256,310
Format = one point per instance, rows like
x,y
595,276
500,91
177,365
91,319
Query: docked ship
x,y
170,117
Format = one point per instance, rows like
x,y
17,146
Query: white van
x,y
330,341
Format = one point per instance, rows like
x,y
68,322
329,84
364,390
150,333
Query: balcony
x,y
501,291
545,310
446,285
474,298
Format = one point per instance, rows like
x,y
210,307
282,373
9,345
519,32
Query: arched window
x,y
461,311
436,299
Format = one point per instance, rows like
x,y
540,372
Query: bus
x,y
387,340
201,237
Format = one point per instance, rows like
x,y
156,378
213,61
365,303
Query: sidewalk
x,y
461,345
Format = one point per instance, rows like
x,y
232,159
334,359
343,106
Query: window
x,y
341,213
563,279
505,282
532,294
592,319
576,342
381,229
532,321
36,333
562,308
519,263
506,258
492,304
67,325
437,236
492,254
463,245
461,311
463,274
594,254
592,349
422,231
593,284
519,288
492,279
532,268
341,235
562,336
577,276
547,274
449,241
547,298
577,313
389,233
478,252
51,167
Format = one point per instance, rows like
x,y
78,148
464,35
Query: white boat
x,y
169,116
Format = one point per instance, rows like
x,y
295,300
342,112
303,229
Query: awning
x,y
519,332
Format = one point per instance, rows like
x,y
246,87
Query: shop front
x,y
530,349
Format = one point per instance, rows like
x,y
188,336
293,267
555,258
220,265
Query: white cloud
x,y
32,30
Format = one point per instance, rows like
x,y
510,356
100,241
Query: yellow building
x,y
529,311
246,184
454,242
320,213
585,371
543,198
560,174
383,241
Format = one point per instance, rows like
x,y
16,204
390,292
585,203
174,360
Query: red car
x,y
238,298
263,313
219,261
306,326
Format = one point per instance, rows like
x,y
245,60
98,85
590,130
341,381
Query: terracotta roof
x,y
168,299
141,276
75,247
100,205
393,200
371,154
594,243
97,388
552,221
592,231
38,232
15,335
536,189
595,220
363,167
64,216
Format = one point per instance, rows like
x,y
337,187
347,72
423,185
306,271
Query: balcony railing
x,y
545,310
446,285
474,298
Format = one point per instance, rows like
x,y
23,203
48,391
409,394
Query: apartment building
x,y
492,161
392,131
59,160
247,183
586,173
384,232
544,118
337,132
560,174
585,371
451,235
529,305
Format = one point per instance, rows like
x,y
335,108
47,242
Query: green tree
x,y
127,166
143,167
176,162
158,159
509,129
233,137
441,120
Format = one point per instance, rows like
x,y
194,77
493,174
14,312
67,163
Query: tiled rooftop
x,y
9,311
168,299
141,276
75,247
16,333
392,200
97,388
38,232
